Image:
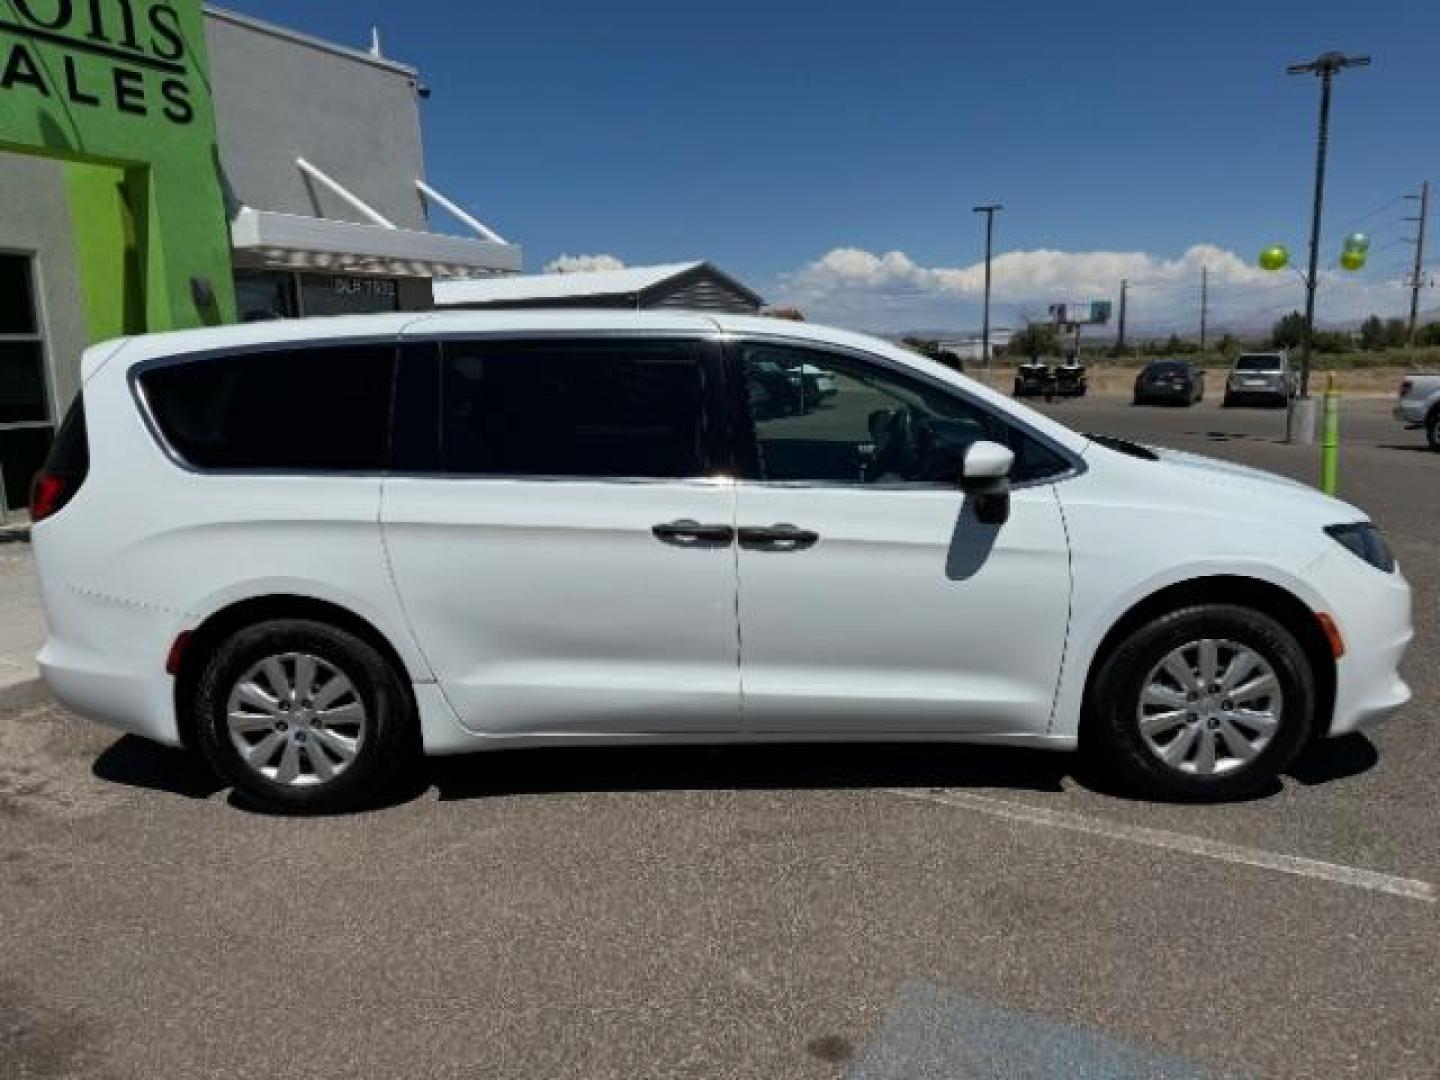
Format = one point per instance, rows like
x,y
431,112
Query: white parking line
x,y
1409,888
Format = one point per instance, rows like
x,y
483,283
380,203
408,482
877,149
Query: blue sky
x,y
829,154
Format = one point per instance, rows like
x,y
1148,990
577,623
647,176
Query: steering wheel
x,y
896,447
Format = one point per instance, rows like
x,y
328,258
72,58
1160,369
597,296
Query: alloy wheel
x,y
1210,707
296,720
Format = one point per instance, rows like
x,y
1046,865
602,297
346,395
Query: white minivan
x,y
312,550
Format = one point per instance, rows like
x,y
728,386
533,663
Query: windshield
x,y
1169,367
1258,363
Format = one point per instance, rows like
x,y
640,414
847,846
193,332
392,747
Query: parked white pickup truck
x,y
1420,406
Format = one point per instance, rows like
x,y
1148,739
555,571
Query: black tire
x,y
1227,402
1432,429
1113,726
390,740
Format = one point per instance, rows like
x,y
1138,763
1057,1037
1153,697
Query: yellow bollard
x,y
1330,446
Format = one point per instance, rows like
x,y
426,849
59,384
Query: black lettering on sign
x,y
99,28
130,92
73,90
58,20
97,22
178,107
166,42
142,42
127,14
20,70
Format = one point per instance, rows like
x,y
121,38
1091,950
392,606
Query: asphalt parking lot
x,y
819,912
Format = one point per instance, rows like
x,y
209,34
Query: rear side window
x,y
70,453
611,409
320,409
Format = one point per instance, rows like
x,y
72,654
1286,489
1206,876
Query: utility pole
x,y
1326,66
1204,303
1416,280
1120,335
989,210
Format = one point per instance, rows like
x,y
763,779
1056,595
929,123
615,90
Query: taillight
x,y
49,494
66,468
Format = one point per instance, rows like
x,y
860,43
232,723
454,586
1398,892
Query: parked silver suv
x,y
1264,377
1419,406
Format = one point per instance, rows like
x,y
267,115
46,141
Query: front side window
x,y
603,409
820,417
316,409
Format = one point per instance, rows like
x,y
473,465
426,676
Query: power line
x,y
1378,210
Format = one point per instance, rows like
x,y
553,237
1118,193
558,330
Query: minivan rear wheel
x,y
303,717
1207,703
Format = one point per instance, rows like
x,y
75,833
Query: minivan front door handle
x,y
778,538
689,533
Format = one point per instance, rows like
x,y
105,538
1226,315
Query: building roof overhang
x,y
297,242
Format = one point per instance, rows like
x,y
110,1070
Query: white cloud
x,y
575,264
891,291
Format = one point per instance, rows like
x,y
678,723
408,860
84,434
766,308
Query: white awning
x,y
296,242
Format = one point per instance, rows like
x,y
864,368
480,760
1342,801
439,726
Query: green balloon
x,y
1352,259
1357,242
1274,257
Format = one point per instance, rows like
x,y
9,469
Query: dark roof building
x,y
691,286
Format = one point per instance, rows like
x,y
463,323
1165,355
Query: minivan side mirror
x,y
985,476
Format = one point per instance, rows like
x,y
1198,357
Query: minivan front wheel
x,y
1208,703
303,717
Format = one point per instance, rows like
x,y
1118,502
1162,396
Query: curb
x,y
22,695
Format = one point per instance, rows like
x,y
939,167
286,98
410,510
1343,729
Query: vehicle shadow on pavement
x,y
137,763
1419,448
741,768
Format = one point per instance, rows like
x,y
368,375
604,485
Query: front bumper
x,y
1373,612
1257,393
1411,414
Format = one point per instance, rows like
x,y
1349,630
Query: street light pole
x,y
1326,67
989,210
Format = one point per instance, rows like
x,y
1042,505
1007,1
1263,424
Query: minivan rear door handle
x,y
693,534
778,538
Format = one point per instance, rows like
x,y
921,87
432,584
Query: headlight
x,y
1364,540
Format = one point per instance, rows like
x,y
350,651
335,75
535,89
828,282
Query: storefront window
x,y
263,296
25,420
340,295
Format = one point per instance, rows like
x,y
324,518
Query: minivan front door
x,y
561,544
872,599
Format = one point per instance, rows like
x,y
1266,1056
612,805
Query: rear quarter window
x,y
293,410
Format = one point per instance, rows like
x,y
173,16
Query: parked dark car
x,y
1071,380
1170,382
1035,378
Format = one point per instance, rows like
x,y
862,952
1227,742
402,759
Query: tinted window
x,y
825,418
70,454
598,409
1258,363
1170,367
321,409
